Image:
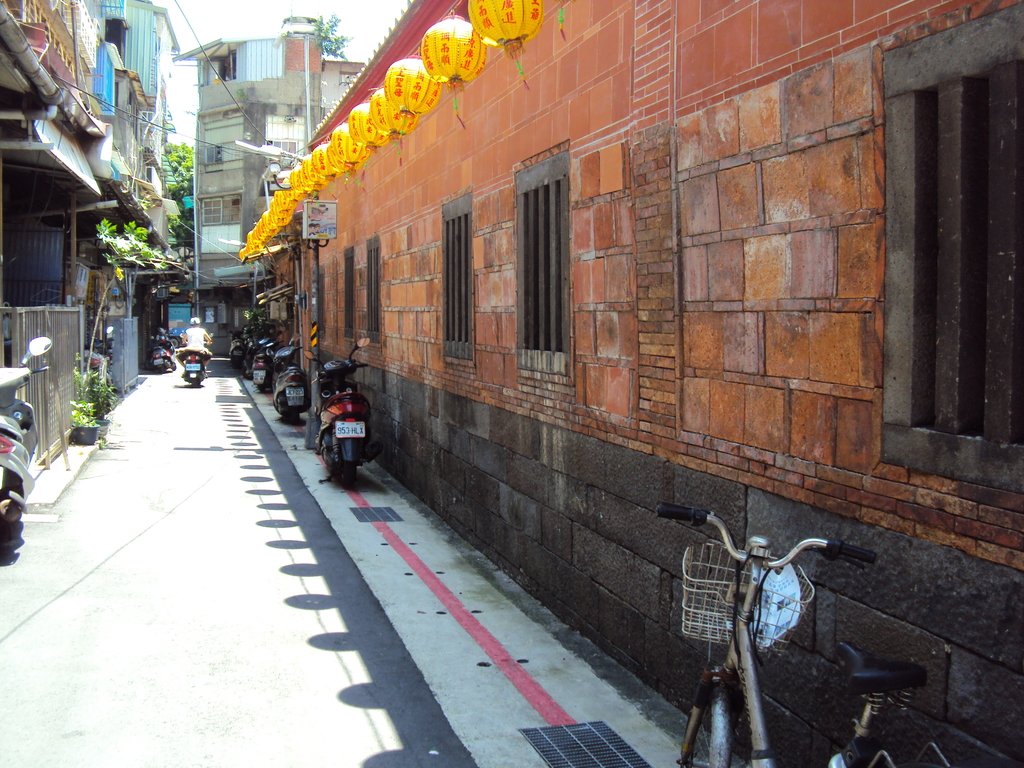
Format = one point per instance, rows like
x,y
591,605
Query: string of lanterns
x,y
453,52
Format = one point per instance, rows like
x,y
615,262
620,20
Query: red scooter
x,y
344,439
161,355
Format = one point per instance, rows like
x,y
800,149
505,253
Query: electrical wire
x,y
227,90
235,150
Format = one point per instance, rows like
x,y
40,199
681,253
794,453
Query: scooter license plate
x,y
294,395
258,376
193,366
349,429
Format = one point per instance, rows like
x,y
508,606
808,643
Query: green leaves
x,y
130,247
327,37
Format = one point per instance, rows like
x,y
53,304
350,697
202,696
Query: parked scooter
x,y
161,355
18,441
344,438
263,365
236,352
291,387
194,361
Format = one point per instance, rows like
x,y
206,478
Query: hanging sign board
x,y
319,220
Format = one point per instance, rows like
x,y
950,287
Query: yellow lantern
x,y
507,23
297,179
453,53
322,164
393,123
362,128
409,87
345,152
315,178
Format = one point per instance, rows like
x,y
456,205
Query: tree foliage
x,y
331,43
179,164
130,247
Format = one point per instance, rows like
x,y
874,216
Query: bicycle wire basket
x,y
709,587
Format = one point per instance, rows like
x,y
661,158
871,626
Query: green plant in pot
x,y
92,387
95,398
84,427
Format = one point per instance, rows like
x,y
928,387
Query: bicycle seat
x,y
867,673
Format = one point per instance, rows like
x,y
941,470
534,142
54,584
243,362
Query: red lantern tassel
x,y
455,104
522,74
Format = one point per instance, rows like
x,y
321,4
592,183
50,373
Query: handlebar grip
x,y
836,548
679,512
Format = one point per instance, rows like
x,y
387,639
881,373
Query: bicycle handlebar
x,y
830,549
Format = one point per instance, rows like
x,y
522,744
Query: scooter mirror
x,y
363,342
39,346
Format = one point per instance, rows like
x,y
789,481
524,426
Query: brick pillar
x,y
655,270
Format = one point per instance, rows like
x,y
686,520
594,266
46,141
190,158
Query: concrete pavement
x,y
453,660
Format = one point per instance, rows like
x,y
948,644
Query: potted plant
x,y
95,398
84,428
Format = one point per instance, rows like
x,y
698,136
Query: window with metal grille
x,y
213,153
373,288
542,219
457,245
222,210
350,292
954,288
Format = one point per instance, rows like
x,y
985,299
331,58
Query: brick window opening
x,y
350,292
457,247
954,327
373,288
542,217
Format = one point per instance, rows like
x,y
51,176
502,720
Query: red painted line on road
x,y
531,690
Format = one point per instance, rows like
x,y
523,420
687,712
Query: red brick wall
x,y
727,186
294,48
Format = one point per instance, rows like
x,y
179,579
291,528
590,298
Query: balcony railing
x,y
47,25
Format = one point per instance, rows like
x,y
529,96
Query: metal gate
x,y
124,354
50,392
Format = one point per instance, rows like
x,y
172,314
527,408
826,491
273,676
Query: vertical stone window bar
x,y
350,292
954,289
542,210
1004,362
373,268
457,246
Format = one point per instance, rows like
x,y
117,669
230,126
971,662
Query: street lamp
x,y
274,169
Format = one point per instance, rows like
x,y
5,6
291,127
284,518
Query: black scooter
x,y
236,352
344,441
291,386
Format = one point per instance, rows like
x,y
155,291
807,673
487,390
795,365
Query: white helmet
x,y
195,321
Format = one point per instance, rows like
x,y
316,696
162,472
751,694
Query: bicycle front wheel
x,y
712,747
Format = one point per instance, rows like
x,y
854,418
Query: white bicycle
x,y
750,602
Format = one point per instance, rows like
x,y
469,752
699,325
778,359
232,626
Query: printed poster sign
x,y
319,220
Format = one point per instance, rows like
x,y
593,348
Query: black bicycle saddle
x,y
867,673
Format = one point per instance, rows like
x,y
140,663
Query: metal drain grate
x,y
584,745
376,514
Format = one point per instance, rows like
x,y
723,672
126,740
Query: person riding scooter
x,y
193,354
